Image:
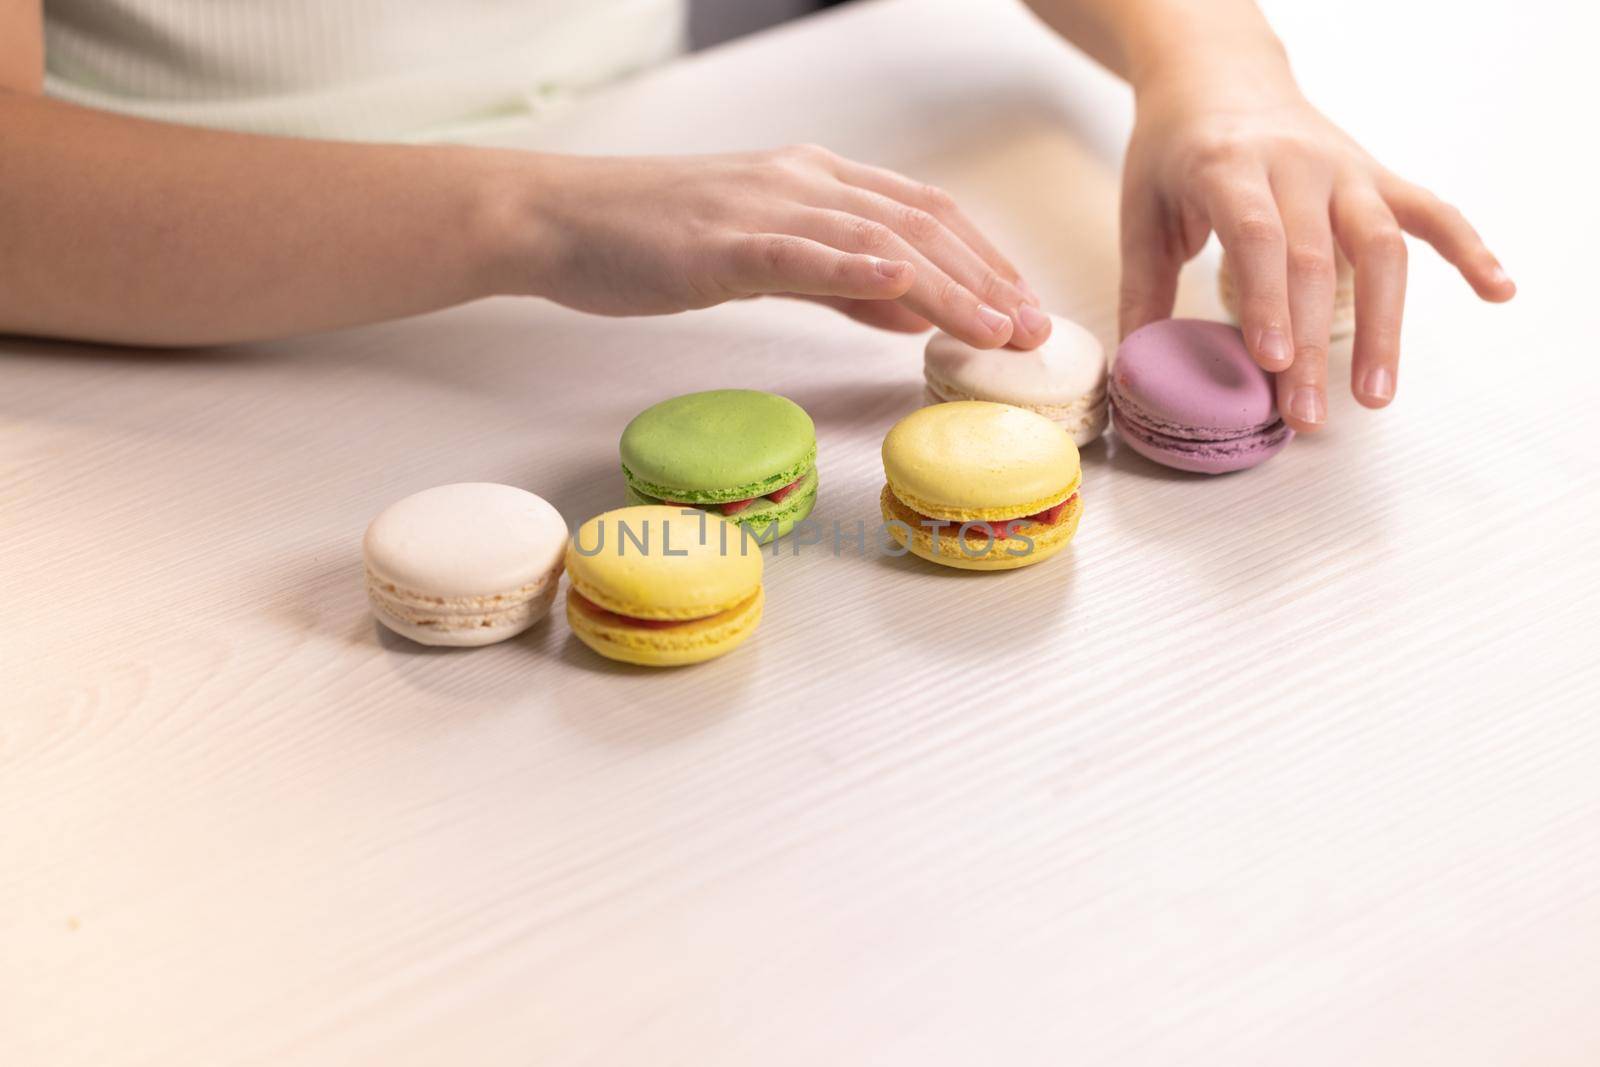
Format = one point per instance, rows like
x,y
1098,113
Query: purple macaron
x,y
1185,393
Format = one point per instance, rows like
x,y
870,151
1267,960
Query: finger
x,y
1312,275
945,250
1241,209
1452,236
883,314
783,263
1150,262
938,203
1371,238
934,295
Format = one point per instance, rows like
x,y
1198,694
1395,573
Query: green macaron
x,y
748,455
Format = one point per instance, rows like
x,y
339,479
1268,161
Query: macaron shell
x,y
1202,456
1192,378
1239,453
689,566
948,549
720,445
1084,421
1069,367
978,460
691,642
761,515
464,625
468,539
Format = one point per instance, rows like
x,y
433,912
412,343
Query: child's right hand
x,y
643,236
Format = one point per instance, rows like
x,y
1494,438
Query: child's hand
x,y
648,236
1246,156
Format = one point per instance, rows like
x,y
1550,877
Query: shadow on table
x,y
640,726
501,675
1280,521
14,347
1111,455
963,616
649,706
855,405
596,487
547,669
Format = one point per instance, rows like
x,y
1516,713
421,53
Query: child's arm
x,y
118,229
115,229
21,46
1225,141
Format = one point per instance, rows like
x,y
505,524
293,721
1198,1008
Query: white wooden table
x,y
1300,766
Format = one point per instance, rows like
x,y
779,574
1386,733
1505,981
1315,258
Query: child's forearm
x,y
1151,41
116,229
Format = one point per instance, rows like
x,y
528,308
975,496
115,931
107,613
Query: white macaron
x,y
465,564
1063,379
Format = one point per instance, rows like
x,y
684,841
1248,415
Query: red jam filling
x,y
1000,529
611,618
733,507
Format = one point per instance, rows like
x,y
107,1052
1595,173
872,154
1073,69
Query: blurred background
x,y
714,21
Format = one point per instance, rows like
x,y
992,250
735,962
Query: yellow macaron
x,y
980,486
657,586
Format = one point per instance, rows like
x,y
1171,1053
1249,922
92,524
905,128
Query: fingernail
x,y
889,268
1274,347
1027,291
1307,404
1499,276
1378,384
995,321
1031,319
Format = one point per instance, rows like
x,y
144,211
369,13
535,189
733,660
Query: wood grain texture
x,y
1296,766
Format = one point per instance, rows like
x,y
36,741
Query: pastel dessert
x,y
980,486
1185,393
1344,296
465,564
1063,379
654,586
749,456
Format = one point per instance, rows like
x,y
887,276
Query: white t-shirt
x,y
349,69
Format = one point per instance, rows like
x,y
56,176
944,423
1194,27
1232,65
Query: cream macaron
x,y
1063,379
980,486
663,586
1343,323
465,564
